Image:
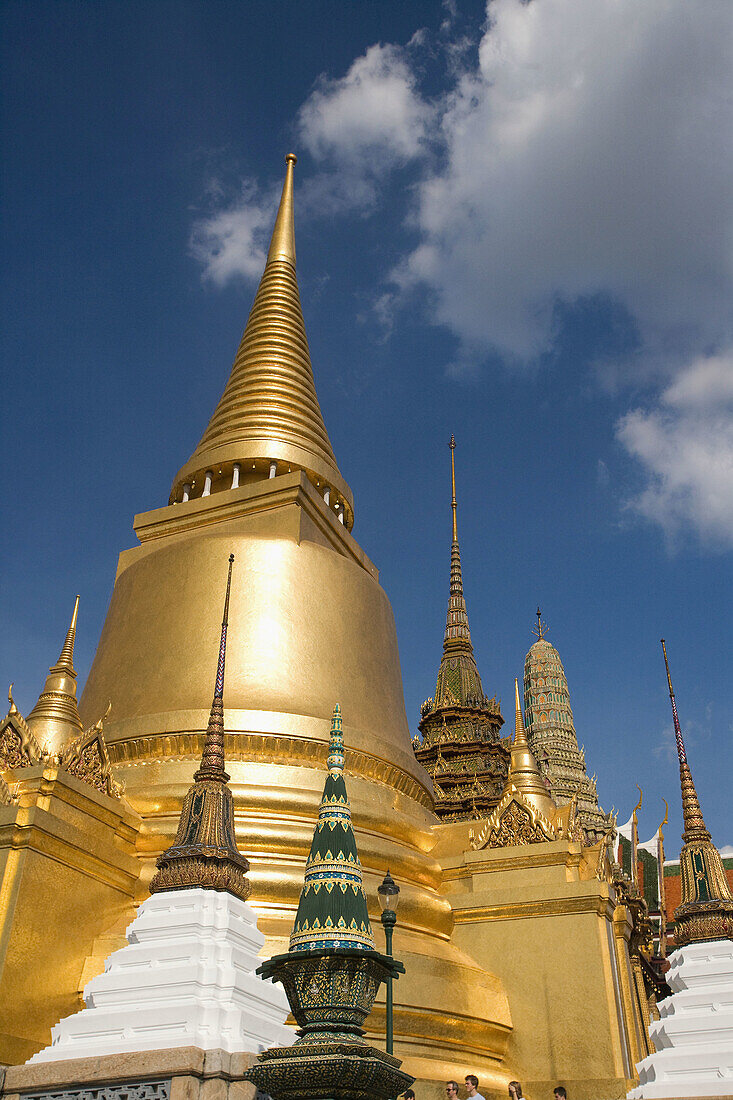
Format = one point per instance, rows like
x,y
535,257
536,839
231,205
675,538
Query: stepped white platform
x,y
185,979
694,1035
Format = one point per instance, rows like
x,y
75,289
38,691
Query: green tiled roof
x,y
332,911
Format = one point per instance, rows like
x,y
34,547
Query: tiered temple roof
x,y
552,738
461,747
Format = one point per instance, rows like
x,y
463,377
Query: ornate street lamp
x,y
389,896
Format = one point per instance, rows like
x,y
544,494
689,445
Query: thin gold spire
x,y
524,773
706,910
66,657
268,420
282,245
54,720
204,853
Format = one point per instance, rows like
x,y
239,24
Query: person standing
x,y
515,1090
560,1093
472,1087
451,1090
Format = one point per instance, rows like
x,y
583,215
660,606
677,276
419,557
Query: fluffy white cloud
x,y
373,115
585,153
231,241
685,447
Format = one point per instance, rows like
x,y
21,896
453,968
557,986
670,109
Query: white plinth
x,y
694,1036
185,978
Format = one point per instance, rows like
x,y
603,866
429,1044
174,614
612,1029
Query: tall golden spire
x,y
54,720
204,853
524,773
706,911
268,417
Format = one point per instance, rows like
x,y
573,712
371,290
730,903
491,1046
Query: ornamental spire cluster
x,y
706,911
332,912
204,853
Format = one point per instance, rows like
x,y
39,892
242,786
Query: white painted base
x,y
185,978
694,1036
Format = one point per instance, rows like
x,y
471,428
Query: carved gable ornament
x,y
86,757
18,746
514,821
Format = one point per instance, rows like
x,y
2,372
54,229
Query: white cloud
x,y
231,241
373,116
685,446
584,154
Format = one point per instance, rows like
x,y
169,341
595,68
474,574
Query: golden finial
x,y
637,807
282,245
12,709
54,720
541,629
454,503
524,774
268,416
66,657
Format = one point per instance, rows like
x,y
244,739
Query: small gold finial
x,y
454,503
519,730
541,629
282,244
641,798
54,720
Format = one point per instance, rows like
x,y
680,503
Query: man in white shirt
x,y
472,1088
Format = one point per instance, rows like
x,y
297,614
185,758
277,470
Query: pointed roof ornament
x,y
706,911
269,411
282,245
204,853
541,629
54,720
332,911
524,773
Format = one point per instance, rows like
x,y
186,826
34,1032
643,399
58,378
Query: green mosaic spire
x,y
333,910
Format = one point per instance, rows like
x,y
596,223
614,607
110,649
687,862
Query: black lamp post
x,y
389,896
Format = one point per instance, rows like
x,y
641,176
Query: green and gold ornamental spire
x,y
204,853
332,912
706,912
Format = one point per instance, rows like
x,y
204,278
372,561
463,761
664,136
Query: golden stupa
x,y
310,623
489,935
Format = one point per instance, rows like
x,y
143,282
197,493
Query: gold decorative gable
x,y
514,821
18,746
88,759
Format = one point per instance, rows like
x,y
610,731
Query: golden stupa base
x,y
68,872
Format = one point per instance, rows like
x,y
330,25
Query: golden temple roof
x,y
54,720
269,411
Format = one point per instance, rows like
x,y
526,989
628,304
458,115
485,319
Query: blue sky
x,y
515,230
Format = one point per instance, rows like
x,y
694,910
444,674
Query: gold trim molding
x,y
267,749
